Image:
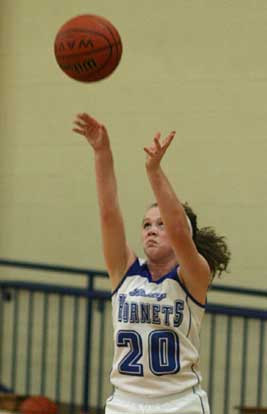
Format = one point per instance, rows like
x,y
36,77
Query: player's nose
x,y
152,231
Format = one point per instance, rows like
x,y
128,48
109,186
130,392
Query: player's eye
x,y
146,225
161,224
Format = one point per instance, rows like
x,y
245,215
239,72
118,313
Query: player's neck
x,y
159,269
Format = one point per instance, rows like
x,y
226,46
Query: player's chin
x,y
151,250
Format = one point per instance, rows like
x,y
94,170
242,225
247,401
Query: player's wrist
x,y
153,169
104,153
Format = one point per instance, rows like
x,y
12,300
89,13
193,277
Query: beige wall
x,y
195,66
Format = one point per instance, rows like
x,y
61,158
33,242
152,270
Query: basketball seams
x,y
107,47
62,34
81,31
107,26
110,46
100,67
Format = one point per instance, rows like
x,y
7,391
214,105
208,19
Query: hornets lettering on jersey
x,y
156,333
135,312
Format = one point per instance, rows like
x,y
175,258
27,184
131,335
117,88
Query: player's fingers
x,y
103,131
157,136
80,124
149,151
78,131
88,129
157,143
87,118
168,139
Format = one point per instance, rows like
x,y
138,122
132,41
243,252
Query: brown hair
x,y
210,245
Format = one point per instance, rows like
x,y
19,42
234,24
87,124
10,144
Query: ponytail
x,y
209,245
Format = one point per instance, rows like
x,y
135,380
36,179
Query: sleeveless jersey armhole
x,y
203,306
133,269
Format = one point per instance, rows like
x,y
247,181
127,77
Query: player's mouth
x,y
151,242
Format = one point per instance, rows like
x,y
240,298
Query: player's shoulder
x,y
196,280
134,269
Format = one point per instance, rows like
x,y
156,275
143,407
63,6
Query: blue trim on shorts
x,y
201,401
195,391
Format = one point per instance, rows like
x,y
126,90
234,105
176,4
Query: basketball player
x,y
158,304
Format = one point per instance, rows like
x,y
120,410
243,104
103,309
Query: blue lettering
x,y
155,314
167,311
135,312
145,313
134,318
122,299
179,308
126,312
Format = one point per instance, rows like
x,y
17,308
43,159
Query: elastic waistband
x,y
144,399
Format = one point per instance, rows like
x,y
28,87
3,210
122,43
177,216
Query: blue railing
x,y
92,358
89,293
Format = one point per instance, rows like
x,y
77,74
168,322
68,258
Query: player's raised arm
x,y
117,254
194,269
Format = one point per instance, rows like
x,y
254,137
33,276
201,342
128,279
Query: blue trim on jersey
x,y
190,317
137,269
189,294
143,270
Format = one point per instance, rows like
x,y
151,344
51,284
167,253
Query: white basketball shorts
x,y
189,402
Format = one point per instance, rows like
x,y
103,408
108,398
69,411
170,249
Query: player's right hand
x,y
95,133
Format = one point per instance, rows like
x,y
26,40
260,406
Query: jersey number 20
x,y
163,352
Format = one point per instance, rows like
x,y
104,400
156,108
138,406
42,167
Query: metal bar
x,y
101,308
227,385
240,290
52,268
52,288
252,313
44,343
87,347
29,344
211,360
14,340
74,353
59,349
2,319
260,364
244,363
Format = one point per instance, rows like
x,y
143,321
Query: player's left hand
x,y
157,150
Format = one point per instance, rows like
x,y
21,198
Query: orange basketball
x,y
38,405
88,48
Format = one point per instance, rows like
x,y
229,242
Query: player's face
x,y
155,240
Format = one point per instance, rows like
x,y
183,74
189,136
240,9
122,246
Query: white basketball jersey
x,y
156,332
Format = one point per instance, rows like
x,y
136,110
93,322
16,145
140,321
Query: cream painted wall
x,y
195,66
